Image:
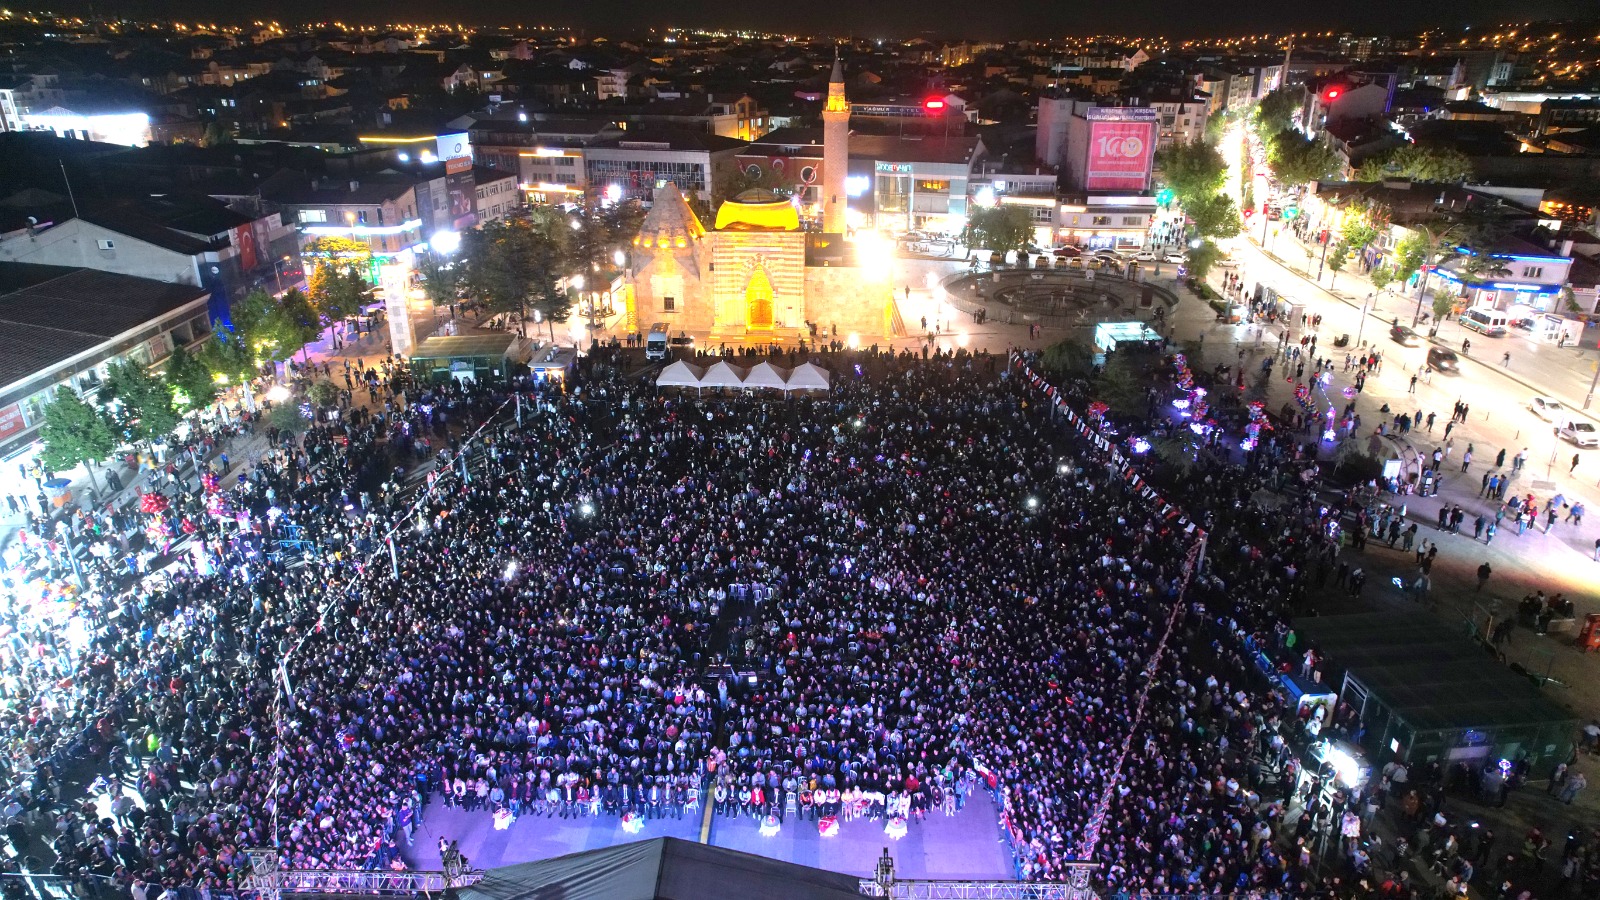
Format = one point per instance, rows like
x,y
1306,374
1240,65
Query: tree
x,y
226,356
999,229
337,291
439,278
1336,261
1215,216
1203,259
1381,277
510,264
1297,160
1420,250
1275,112
75,432
1443,305
274,329
141,403
1414,163
1195,171
192,384
337,285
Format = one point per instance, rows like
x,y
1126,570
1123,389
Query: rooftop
x,y
49,314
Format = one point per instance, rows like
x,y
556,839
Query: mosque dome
x,y
758,210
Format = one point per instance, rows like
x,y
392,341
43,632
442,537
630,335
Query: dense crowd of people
x,y
935,588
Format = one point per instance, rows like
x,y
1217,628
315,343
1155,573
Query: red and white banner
x,y
1120,155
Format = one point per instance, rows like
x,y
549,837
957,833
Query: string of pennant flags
x,y
1089,841
1090,431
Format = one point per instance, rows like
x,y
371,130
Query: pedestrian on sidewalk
x,y
1488,481
1430,423
1466,458
1575,514
1413,388
1550,516
1574,467
1519,459
1506,359
1477,526
1575,783
1488,535
1483,574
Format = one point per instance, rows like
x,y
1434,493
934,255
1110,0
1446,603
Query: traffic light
x,y
1331,94
933,105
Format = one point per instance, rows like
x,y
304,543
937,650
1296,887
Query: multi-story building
x,y
380,210
188,241
632,166
65,325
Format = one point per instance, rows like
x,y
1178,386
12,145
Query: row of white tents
x,y
723,374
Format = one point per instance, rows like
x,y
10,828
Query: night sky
x,y
987,19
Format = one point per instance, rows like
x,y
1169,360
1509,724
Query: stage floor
x,y
965,846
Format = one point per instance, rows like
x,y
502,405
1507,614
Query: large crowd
x,y
886,598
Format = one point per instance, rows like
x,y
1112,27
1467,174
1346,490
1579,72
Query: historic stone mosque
x,y
756,277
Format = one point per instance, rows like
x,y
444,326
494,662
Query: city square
x,y
1170,483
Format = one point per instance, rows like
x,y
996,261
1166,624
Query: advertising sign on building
x,y
1122,146
456,152
12,421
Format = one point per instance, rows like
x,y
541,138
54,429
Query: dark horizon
x,y
894,19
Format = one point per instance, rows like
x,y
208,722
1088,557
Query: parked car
x,y
1444,360
1227,262
1404,336
1579,432
1175,258
1524,324
1547,408
1068,251
1145,256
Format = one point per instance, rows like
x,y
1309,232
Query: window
x,y
1133,220
1532,271
937,187
313,215
1101,220
361,217
669,304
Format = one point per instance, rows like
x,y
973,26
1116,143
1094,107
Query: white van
x,y
655,344
1486,321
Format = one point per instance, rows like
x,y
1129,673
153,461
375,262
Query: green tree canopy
x,y
1000,229
190,379
1215,216
337,291
1381,277
1275,112
74,432
512,264
1297,160
1338,257
1195,171
276,328
1202,259
141,403
1415,163
439,277
226,355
